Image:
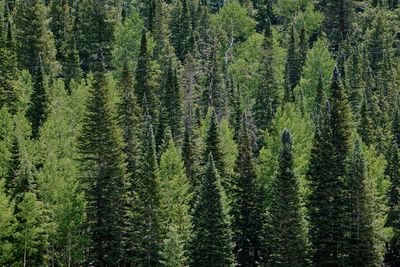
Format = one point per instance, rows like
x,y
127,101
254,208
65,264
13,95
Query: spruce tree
x,y
292,72
246,207
143,89
285,233
359,200
392,257
181,31
104,175
266,98
148,234
211,244
339,16
264,14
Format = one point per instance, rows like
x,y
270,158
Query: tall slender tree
x,y
285,235
292,72
211,244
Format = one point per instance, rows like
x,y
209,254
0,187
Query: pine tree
x,y
175,198
285,234
392,257
246,208
338,20
103,175
292,72
266,98
396,127
143,90
359,218
264,14
181,31
211,244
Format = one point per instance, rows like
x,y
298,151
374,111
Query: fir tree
x,y
211,244
181,36
264,15
359,199
246,209
104,175
266,98
285,236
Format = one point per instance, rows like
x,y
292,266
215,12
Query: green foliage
x,y
174,206
7,227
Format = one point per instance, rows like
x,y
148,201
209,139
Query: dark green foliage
x,y
181,31
8,65
38,110
143,90
211,244
392,256
292,71
266,98
103,175
285,234
264,15
148,234
359,219
172,101
246,209
338,20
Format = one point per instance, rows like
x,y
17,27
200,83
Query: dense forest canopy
x,y
200,133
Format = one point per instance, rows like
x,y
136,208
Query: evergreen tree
x,y
392,257
103,175
266,101
264,14
174,210
285,235
359,199
338,20
211,244
172,101
148,234
181,32
34,40
292,72
143,89
8,65
246,209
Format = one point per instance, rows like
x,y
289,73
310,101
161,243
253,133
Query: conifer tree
x,y
285,233
359,218
175,198
292,72
266,98
148,234
338,20
392,256
103,175
8,65
264,14
246,207
396,127
181,32
143,90
34,39
172,101
211,244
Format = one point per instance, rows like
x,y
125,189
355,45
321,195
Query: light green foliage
x,y
23,90
310,19
228,146
233,23
175,198
319,60
32,232
378,184
57,180
301,127
5,140
127,40
287,8
7,227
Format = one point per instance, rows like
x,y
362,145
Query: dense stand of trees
x,y
199,133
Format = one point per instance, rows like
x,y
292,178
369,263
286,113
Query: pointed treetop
x,y
286,137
